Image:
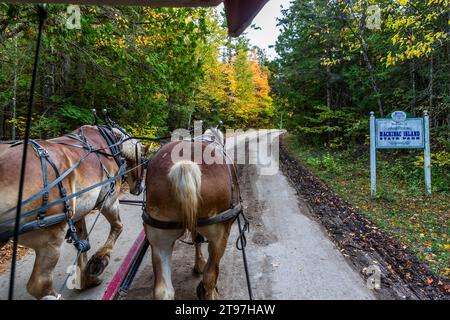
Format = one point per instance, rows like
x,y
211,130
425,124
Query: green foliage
x,y
439,159
331,128
326,162
332,70
154,69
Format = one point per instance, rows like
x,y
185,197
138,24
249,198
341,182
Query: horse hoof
x,y
93,282
96,265
50,297
201,291
197,271
203,295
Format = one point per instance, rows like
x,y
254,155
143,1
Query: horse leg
x,y
200,260
86,280
47,252
217,236
98,262
162,242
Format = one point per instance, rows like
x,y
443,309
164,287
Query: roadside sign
x,y
391,134
397,131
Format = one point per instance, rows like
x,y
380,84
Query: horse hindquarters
x,y
185,182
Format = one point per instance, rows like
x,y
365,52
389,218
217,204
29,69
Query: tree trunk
x,y
412,74
328,88
430,86
448,53
14,99
52,73
65,71
373,82
359,35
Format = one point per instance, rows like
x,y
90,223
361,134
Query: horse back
x,y
216,188
63,156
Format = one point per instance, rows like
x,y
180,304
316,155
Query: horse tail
x,y
185,179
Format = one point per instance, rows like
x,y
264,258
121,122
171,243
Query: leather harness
x,y
43,221
232,213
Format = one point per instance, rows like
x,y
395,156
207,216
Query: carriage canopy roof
x,y
239,13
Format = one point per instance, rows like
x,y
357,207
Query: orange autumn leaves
x,y
237,89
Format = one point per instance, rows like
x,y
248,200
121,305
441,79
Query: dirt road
x,y
290,256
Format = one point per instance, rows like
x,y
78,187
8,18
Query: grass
x,y
401,207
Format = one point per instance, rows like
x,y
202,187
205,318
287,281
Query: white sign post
x,y
426,156
373,161
399,132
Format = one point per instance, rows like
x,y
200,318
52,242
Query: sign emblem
x,y
398,116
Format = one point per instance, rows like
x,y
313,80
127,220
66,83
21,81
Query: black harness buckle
x,y
41,221
43,153
72,237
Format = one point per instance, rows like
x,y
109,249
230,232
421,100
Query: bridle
x,y
215,139
140,161
140,164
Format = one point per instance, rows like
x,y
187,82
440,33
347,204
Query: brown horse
x,y
97,166
184,191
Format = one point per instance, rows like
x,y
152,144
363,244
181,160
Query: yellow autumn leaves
x,y
430,2
412,36
414,48
113,42
132,40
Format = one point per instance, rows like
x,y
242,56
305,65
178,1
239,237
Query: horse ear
x,y
146,149
117,134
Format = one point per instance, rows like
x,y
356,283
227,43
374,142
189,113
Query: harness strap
x,y
51,185
112,143
60,178
36,224
45,157
221,148
42,221
86,145
229,214
71,196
